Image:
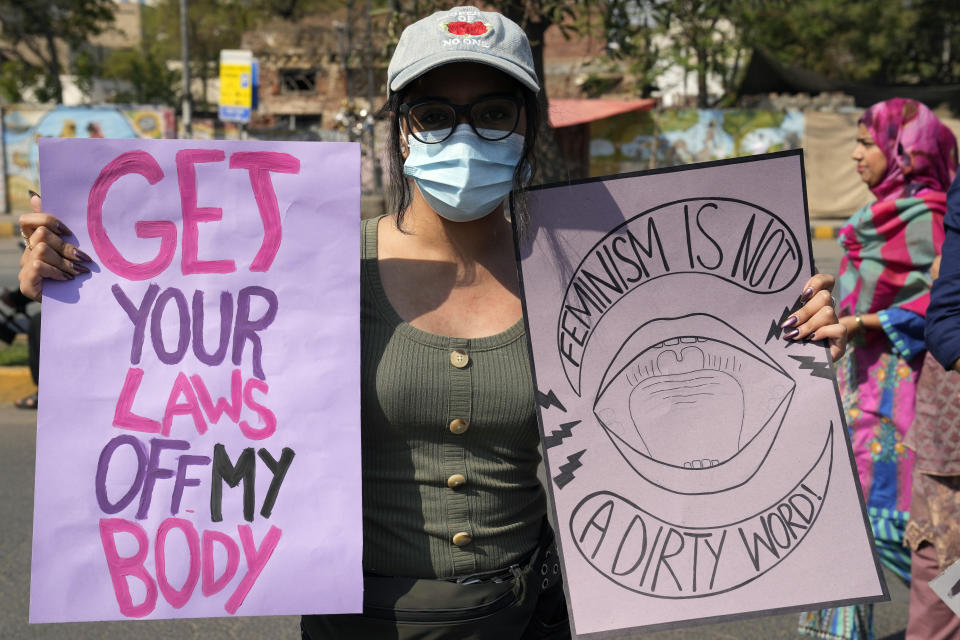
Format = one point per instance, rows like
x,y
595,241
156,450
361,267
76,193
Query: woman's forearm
x,y
860,323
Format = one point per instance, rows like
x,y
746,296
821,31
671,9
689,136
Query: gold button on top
x,y
462,539
456,480
459,358
458,426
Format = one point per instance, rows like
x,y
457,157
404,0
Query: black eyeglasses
x,y
433,120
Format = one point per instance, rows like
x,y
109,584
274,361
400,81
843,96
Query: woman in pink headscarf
x,y
908,158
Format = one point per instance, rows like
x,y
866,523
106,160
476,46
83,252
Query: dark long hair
x,y
399,193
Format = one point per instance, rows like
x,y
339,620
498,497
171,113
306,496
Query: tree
x,y
876,41
870,41
634,35
146,74
40,40
700,36
699,43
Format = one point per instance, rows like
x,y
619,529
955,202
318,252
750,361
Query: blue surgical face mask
x,y
464,177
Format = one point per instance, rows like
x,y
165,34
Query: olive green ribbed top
x,y
411,393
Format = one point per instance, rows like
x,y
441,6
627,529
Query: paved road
x,y
17,431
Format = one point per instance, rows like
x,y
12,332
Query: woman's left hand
x,y
817,319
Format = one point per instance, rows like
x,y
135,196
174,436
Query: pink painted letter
x,y
130,162
132,566
192,214
123,416
259,164
210,584
256,561
177,597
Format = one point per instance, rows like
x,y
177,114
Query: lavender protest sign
x,y
698,462
198,432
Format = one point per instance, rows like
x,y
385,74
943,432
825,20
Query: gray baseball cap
x,y
462,34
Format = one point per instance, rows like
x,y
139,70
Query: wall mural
x,y
23,125
637,141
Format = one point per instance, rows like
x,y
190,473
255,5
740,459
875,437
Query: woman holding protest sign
x,y
907,158
456,543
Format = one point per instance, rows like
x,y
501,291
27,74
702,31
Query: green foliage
x,y
151,82
876,41
14,355
85,70
633,34
29,33
880,41
15,76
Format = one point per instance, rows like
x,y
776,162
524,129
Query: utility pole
x,y
185,59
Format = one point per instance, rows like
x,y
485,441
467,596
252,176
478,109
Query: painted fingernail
x,y
793,333
792,320
33,193
82,256
806,294
79,268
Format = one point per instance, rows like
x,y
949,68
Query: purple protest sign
x,y
698,462
198,438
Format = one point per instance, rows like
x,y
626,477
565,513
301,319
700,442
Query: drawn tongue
x,y
688,416
687,360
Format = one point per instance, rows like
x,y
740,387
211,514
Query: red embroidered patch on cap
x,y
459,28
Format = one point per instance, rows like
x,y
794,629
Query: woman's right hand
x,y
47,254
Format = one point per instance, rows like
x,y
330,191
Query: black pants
x,y
524,602
546,620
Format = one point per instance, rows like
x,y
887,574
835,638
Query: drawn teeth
x,y
680,340
701,464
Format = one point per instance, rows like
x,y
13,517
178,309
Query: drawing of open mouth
x,y
692,404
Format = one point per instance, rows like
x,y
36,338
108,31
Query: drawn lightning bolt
x,y
549,400
573,463
557,436
817,369
775,330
